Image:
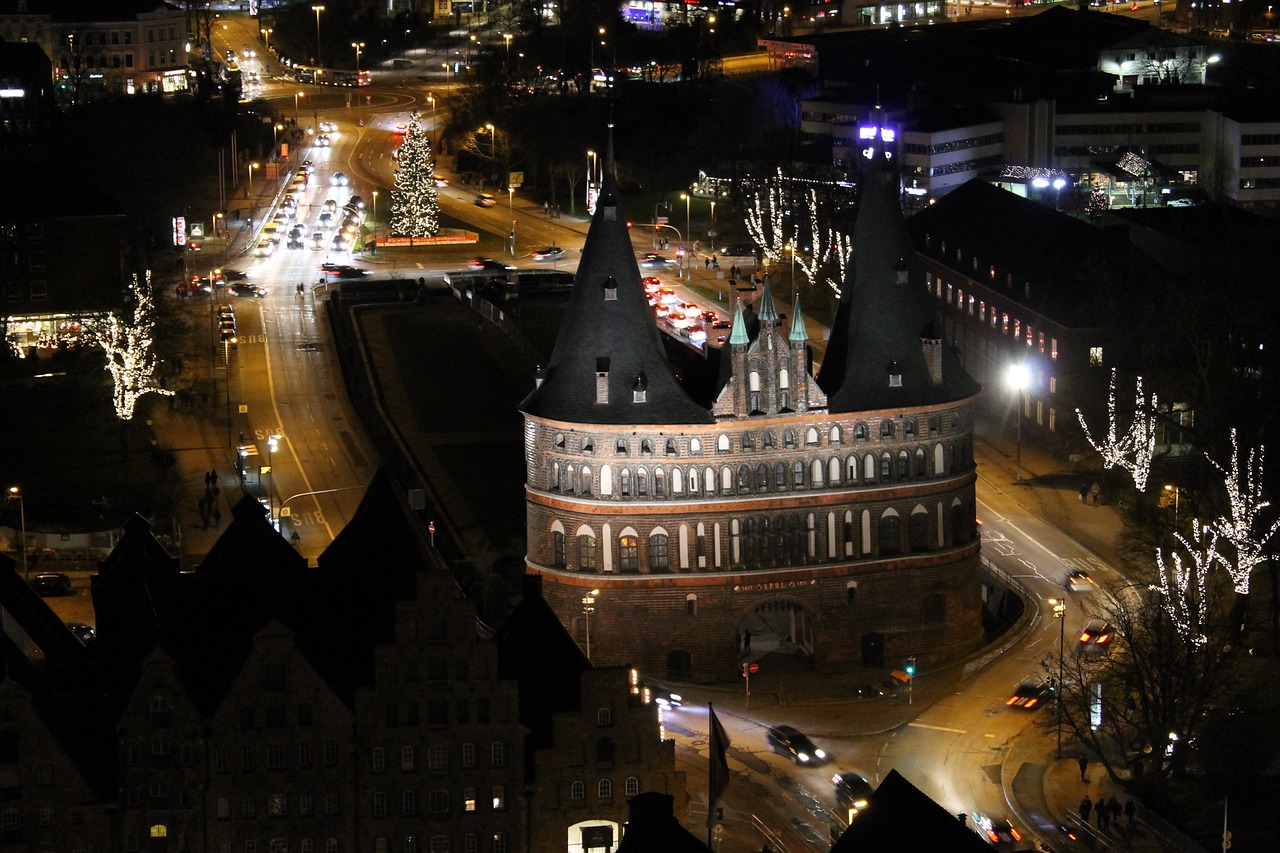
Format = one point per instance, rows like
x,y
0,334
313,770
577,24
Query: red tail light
x,y
1017,836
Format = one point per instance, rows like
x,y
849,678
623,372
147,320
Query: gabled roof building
x,y
829,519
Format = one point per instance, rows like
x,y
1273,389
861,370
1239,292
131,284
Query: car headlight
x,y
803,756
819,754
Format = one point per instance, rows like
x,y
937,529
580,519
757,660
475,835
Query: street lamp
x,y
1059,613
252,166
296,114
359,46
588,607
273,441
318,10
1017,377
687,199
15,494
493,144
445,65
1176,494
375,222
506,62
266,34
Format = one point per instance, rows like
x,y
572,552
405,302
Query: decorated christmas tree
x,y
415,204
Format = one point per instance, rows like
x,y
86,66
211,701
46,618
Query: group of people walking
x,y
1108,811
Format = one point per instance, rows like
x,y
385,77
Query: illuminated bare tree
x,y
765,219
1183,590
130,350
841,255
1242,528
1132,451
819,247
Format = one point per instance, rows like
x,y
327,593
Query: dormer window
x,y
602,380
620,447
640,390
646,447
902,270
895,375
610,289
671,447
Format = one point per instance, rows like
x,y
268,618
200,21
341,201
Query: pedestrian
x,y
1084,493
1130,811
546,208
207,481
1113,806
299,288
706,263
1094,491
1084,765
1101,814
1086,805
746,642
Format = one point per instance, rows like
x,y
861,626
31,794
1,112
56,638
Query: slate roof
x,y
1074,268
899,816
881,322
609,327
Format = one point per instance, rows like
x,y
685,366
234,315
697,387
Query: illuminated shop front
x,y
40,335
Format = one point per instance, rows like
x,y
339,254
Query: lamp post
x,y
1017,376
493,145
506,62
266,34
432,99
296,114
713,218
15,494
1059,613
252,166
359,46
272,442
375,222
588,607
686,198
1176,494
318,10
445,65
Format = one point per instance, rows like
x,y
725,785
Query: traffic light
x,y
911,667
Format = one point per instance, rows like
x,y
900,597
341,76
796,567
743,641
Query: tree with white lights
x,y
1182,589
130,350
1135,449
841,252
415,202
1243,529
765,219
819,247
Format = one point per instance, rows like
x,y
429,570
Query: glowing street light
x,y
359,46
375,222
445,66
273,442
318,10
687,200
266,34
506,63
493,143
296,114
252,166
588,607
15,494
1059,613
1017,377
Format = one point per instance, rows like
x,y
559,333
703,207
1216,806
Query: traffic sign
x,y
663,220
755,667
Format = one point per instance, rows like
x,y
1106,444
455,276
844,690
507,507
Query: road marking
x,y
937,728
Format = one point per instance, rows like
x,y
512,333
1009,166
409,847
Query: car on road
x,y
791,742
83,632
548,253
323,140
264,248
999,832
51,584
488,264
244,288
327,127
440,182
1078,581
342,271
653,259
1095,638
1030,694
485,200
852,793
340,180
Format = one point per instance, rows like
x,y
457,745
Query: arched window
x,y
748,441
632,786
811,437
722,443
624,482
604,717
744,478
659,483
646,447
671,447
869,468
628,553
693,481
789,438
557,548
726,479
708,480
860,432
586,552
606,481
922,463
553,482
770,439
691,605
851,470
586,480
811,536
604,750
605,789
762,477
834,436
642,481
909,428
833,471
798,471
918,529
735,541
578,790
846,533
816,474
886,468
695,445
904,465
886,429
567,484
677,481
780,476
658,558
889,542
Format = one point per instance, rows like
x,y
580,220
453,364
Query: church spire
x,y
799,334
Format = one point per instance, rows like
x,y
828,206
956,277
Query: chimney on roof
x,y
931,343
602,380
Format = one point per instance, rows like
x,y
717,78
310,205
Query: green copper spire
x,y
739,334
799,334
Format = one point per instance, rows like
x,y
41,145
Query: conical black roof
x,y
608,328
882,318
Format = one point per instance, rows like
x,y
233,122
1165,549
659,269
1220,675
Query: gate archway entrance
x,y
777,626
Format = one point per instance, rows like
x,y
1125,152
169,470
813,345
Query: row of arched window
x,y
604,789
761,477
763,541
750,440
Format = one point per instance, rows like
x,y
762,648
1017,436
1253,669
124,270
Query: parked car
x,y
83,632
791,742
51,584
